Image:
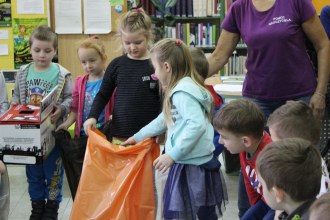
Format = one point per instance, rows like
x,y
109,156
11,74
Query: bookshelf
x,y
196,22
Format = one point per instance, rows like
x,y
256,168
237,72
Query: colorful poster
x,y
5,13
22,29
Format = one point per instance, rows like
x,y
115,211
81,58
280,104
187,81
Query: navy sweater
x,y
137,98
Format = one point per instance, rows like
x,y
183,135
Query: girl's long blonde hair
x,y
177,54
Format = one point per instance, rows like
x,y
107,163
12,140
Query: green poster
x,y
22,29
5,13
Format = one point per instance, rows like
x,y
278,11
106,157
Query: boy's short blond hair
x,y
293,165
295,119
320,209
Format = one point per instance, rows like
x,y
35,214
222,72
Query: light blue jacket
x,y
190,138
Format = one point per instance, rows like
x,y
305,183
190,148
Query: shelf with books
x,y
195,22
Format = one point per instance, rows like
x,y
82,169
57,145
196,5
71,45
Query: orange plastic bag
x,y
116,182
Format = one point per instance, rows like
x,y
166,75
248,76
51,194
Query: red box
x,y
26,132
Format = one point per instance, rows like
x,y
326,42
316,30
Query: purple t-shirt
x,y
278,66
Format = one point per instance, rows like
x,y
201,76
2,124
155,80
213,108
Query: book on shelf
x,y
187,8
190,8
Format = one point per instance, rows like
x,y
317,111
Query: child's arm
x,y
71,119
63,108
154,128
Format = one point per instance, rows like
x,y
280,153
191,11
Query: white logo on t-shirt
x,y
280,19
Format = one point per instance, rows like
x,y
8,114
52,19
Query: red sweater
x,y
252,185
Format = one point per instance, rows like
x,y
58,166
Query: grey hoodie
x,y
65,89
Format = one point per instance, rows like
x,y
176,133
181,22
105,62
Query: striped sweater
x,y
137,98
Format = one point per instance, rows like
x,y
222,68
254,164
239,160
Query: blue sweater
x,y
190,137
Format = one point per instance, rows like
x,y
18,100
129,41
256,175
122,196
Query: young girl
x,y
92,57
194,185
137,99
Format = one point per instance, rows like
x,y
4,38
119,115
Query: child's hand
x,y
89,124
163,162
129,141
63,126
56,115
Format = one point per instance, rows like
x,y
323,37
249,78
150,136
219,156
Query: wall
x,y
7,62
67,43
319,4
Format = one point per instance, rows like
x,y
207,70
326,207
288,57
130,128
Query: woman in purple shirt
x,y
278,66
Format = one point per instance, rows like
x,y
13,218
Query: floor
x,y
20,206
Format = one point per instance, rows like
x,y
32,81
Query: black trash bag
x,y
73,153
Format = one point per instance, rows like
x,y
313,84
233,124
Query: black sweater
x,y
137,98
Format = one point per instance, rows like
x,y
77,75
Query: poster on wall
x,y
5,13
22,29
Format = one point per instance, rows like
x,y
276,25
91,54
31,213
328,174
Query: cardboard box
x,y
26,132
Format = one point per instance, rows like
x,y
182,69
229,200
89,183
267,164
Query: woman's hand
x,y
317,103
129,141
89,124
163,162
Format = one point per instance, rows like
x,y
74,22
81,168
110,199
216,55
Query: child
x,y
202,67
290,172
36,80
320,209
92,57
296,119
4,180
240,124
194,183
137,99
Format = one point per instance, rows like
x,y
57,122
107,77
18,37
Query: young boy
x,y
296,119
33,82
4,180
320,209
290,174
240,124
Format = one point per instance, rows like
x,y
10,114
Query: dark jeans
x,y
268,107
260,211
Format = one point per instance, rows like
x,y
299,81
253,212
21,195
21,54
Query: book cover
x,y
190,8
183,8
209,8
178,8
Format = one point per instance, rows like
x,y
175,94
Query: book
x,y
190,8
